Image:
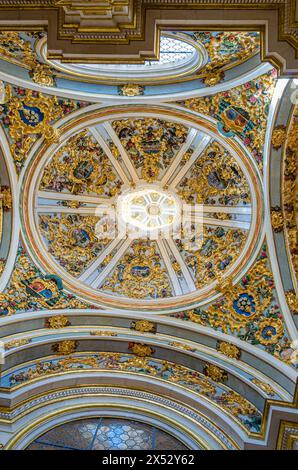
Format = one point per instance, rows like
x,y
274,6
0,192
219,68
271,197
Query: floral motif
x,y
215,373
81,167
258,320
228,349
28,115
230,401
131,89
244,305
30,290
142,262
150,143
65,348
278,137
241,111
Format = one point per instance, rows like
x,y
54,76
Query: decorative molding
x,y
76,32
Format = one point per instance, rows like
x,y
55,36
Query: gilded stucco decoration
x,y
57,321
150,143
290,192
231,402
81,167
225,49
28,115
277,220
71,239
265,387
65,348
215,373
250,311
278,137
215,178
141,350
228,349
143,326
241,111
140,273
31,290
131,89
217,249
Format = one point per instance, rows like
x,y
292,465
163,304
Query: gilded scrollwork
x,y
228,349
217,249
150,143
140,273
71,240
28,115
215,178
143,326
220,395
290,191
31,290
225,50
241,111
215,373
81,166
250,312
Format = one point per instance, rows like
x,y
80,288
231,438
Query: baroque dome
x,y
144,208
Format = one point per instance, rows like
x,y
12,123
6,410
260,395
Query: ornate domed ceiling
x,y
147,241
143,208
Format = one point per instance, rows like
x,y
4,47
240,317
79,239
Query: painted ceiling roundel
x,y
145,209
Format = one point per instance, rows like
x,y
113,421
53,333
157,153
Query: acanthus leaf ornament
x,y
277,219
278,137
228,349
141,350
215,373
143,326
57,321
131,89
65,348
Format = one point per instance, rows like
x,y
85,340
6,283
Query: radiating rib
x,y
56,196
180,154
96,134
226,209
96,263
170,269
126,160
106,271
184,268
196,154
201,219
66,210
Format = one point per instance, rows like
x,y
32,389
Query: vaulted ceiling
x,y
195,302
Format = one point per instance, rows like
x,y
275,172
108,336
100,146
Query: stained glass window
x,y
106,434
